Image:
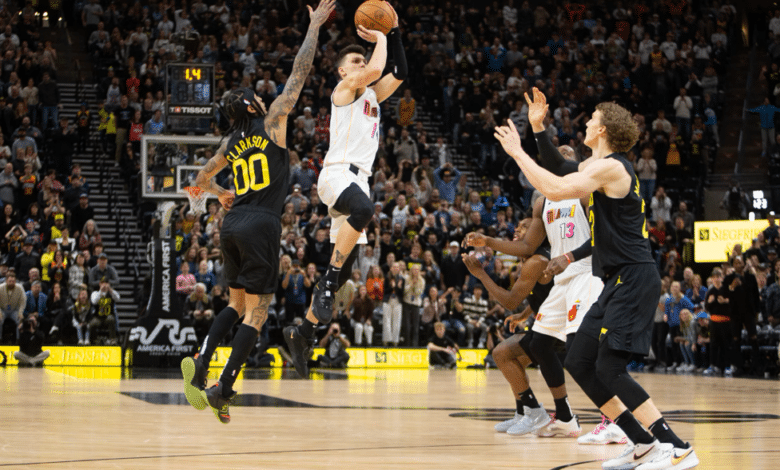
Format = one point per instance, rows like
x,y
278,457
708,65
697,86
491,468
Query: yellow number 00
x,y
249,176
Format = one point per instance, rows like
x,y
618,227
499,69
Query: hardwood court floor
x,y
94,418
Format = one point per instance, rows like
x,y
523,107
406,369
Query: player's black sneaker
x,y
300,349
195,374
322,303
219,404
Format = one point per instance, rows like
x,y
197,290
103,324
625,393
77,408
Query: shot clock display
x,y
190,97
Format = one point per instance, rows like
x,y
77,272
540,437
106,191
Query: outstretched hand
x,y
510,140
475,239
472,264
322,13
537,109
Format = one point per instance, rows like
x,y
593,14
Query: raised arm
x,y
390,82
602,173
344,92
276,120
549,156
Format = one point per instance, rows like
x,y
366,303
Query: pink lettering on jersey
x,y
555,214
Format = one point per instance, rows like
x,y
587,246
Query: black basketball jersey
x,y
540,291
618,227
261,169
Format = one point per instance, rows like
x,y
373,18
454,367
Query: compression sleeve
x,y
396,48
583,251
550,158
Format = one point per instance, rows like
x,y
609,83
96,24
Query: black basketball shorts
x,y
250,240
623,314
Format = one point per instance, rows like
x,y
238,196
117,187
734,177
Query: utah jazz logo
x,y
704,234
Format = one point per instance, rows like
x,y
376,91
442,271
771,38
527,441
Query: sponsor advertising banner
x,y
715,239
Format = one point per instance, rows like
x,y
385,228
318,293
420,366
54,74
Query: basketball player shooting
x,y
343,181
257,153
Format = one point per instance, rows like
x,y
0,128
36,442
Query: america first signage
x,y
162,337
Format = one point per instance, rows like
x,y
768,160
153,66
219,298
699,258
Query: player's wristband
x,y
396,47
568,258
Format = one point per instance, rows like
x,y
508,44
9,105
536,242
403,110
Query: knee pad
x,y
543,348
355,202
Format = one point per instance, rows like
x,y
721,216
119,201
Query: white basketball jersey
x,y
354,132
567,228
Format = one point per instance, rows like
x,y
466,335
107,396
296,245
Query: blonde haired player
x,y
343,181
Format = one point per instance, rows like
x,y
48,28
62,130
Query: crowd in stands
x,y
54,277
470,65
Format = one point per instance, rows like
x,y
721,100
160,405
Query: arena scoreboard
x,y
190,90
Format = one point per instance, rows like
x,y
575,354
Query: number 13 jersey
x,y
354,132
567,228
261,169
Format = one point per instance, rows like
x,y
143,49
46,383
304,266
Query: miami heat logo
x,y
538,317
573,312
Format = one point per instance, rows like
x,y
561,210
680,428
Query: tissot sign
x,y
162,337
191,110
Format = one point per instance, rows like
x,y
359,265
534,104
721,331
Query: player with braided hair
x,y
256,150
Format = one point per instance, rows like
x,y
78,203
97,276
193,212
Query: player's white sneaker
x,y
534,419
672,458
505,425
560,428
604,433
635,455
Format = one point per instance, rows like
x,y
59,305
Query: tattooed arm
x,y
205,178
276,120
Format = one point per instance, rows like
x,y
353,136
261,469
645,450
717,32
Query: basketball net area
x,y
169,165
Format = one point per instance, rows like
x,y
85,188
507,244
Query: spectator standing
x,y
49,96
362,320
392,308
81,313
675,303
446,178
717,304
414,287
682,112
766,113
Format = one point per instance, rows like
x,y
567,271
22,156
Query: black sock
x,y
529,399
307,328
242,346
562,409
219,329
664,433
519,405
628,423
331,276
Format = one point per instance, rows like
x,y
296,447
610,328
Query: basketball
x,y
376,15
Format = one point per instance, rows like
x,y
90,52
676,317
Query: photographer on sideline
x,y
30,352
335,345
